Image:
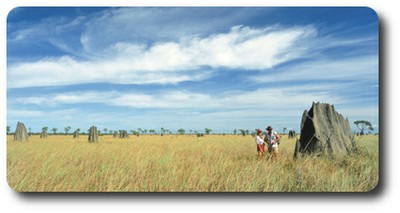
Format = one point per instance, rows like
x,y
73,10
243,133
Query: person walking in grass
x,y
260,144
272,139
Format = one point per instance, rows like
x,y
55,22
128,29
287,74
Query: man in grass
x,y
272,139
260,144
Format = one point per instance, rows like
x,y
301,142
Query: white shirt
x,y
259,140
271,138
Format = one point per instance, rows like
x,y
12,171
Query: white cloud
x,y
267,99
165,100
248,109
246,48
24,113
161,24
167,62
356,68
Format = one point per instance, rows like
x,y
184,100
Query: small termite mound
x,y
20,133
93,135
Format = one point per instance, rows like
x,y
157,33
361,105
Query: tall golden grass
x,y
169,163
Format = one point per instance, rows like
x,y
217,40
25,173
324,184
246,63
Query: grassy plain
x,y
170,163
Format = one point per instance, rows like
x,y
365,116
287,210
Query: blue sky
x,y
193,68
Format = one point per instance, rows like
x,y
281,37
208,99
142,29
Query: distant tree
x,y
105,130
242,132
247,132
140,130
234,131
145,131
134,132
152,131
8,130
45,128
54,130
362,124
98,132
284,130
181,131
162,131
207,131
110,131
67,129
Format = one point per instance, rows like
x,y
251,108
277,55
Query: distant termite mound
x,y
44,134
115,135
76,133
123,134
20,133
292,134
323,130
93,135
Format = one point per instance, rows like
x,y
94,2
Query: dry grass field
x,y
170,163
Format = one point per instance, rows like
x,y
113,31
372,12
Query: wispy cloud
x,y
356,68
248,109
190,67
183,99
170,62
153,25
25,113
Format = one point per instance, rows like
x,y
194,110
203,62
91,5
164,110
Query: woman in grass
x,y
260,144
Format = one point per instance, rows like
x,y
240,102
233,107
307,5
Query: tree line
x,y
138,131
362,125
